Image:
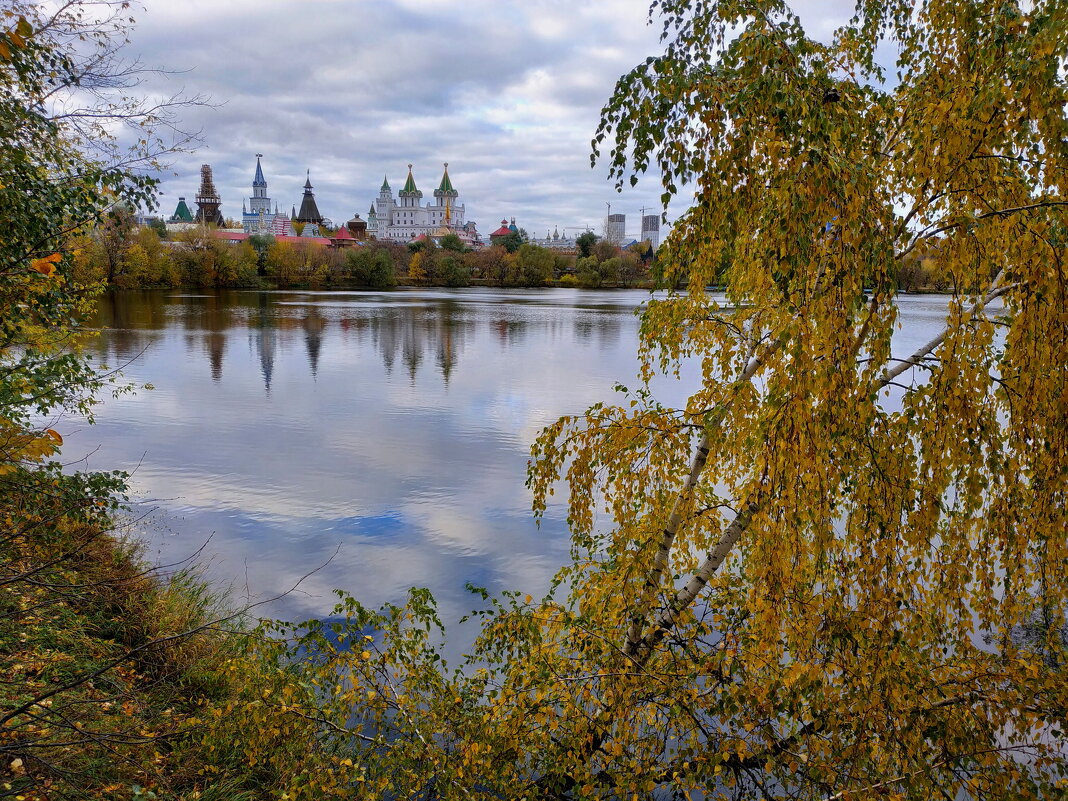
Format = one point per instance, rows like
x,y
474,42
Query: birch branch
x,y
928,347
697,467
686,595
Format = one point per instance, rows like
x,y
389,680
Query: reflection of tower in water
x,y
263,337
313,324
215,318
384,337
216,347
446,354
412,346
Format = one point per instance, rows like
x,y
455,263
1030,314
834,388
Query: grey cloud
x,y
508,93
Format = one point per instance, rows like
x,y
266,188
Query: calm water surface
x,y
378,439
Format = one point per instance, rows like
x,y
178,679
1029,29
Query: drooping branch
x,y
995,213
698,463
640,649
928,347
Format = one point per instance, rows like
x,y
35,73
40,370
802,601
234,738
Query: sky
x,y
349,91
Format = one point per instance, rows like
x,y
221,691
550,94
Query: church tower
x,y
258,218
259,200
208,200
384,209
410,194
372,222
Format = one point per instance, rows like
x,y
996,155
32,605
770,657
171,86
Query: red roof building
x,y
296,240
343,238
229,236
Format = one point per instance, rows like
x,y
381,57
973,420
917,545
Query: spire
x,y
446,185
409,185
309,211
259,179
385,183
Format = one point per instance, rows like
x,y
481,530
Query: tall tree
x,y
584,242
815,574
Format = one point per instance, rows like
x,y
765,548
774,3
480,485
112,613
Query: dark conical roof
x,y
309,212
259,180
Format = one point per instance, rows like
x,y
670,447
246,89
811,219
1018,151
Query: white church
x,y
406,218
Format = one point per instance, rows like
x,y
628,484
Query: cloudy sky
x,y
508,93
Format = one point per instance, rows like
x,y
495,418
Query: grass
x,y
105,663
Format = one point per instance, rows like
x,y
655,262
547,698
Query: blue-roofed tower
x,y
258,218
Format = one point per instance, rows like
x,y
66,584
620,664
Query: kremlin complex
x,y
400,219
397,219
407,238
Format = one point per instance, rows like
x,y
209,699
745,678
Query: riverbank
x,y
124,680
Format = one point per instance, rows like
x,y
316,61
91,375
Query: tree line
x,y
122,255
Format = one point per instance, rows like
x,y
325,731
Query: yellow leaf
x,y
54,435
47,265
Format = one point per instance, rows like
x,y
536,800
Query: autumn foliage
x,y
837,571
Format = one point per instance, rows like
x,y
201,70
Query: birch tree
x,y
812,581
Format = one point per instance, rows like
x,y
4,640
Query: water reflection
x,y
390,428
394,426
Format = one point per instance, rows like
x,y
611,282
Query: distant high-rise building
x,y
208,200
616,228
651,229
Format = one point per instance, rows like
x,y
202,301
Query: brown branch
x,y
996,213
